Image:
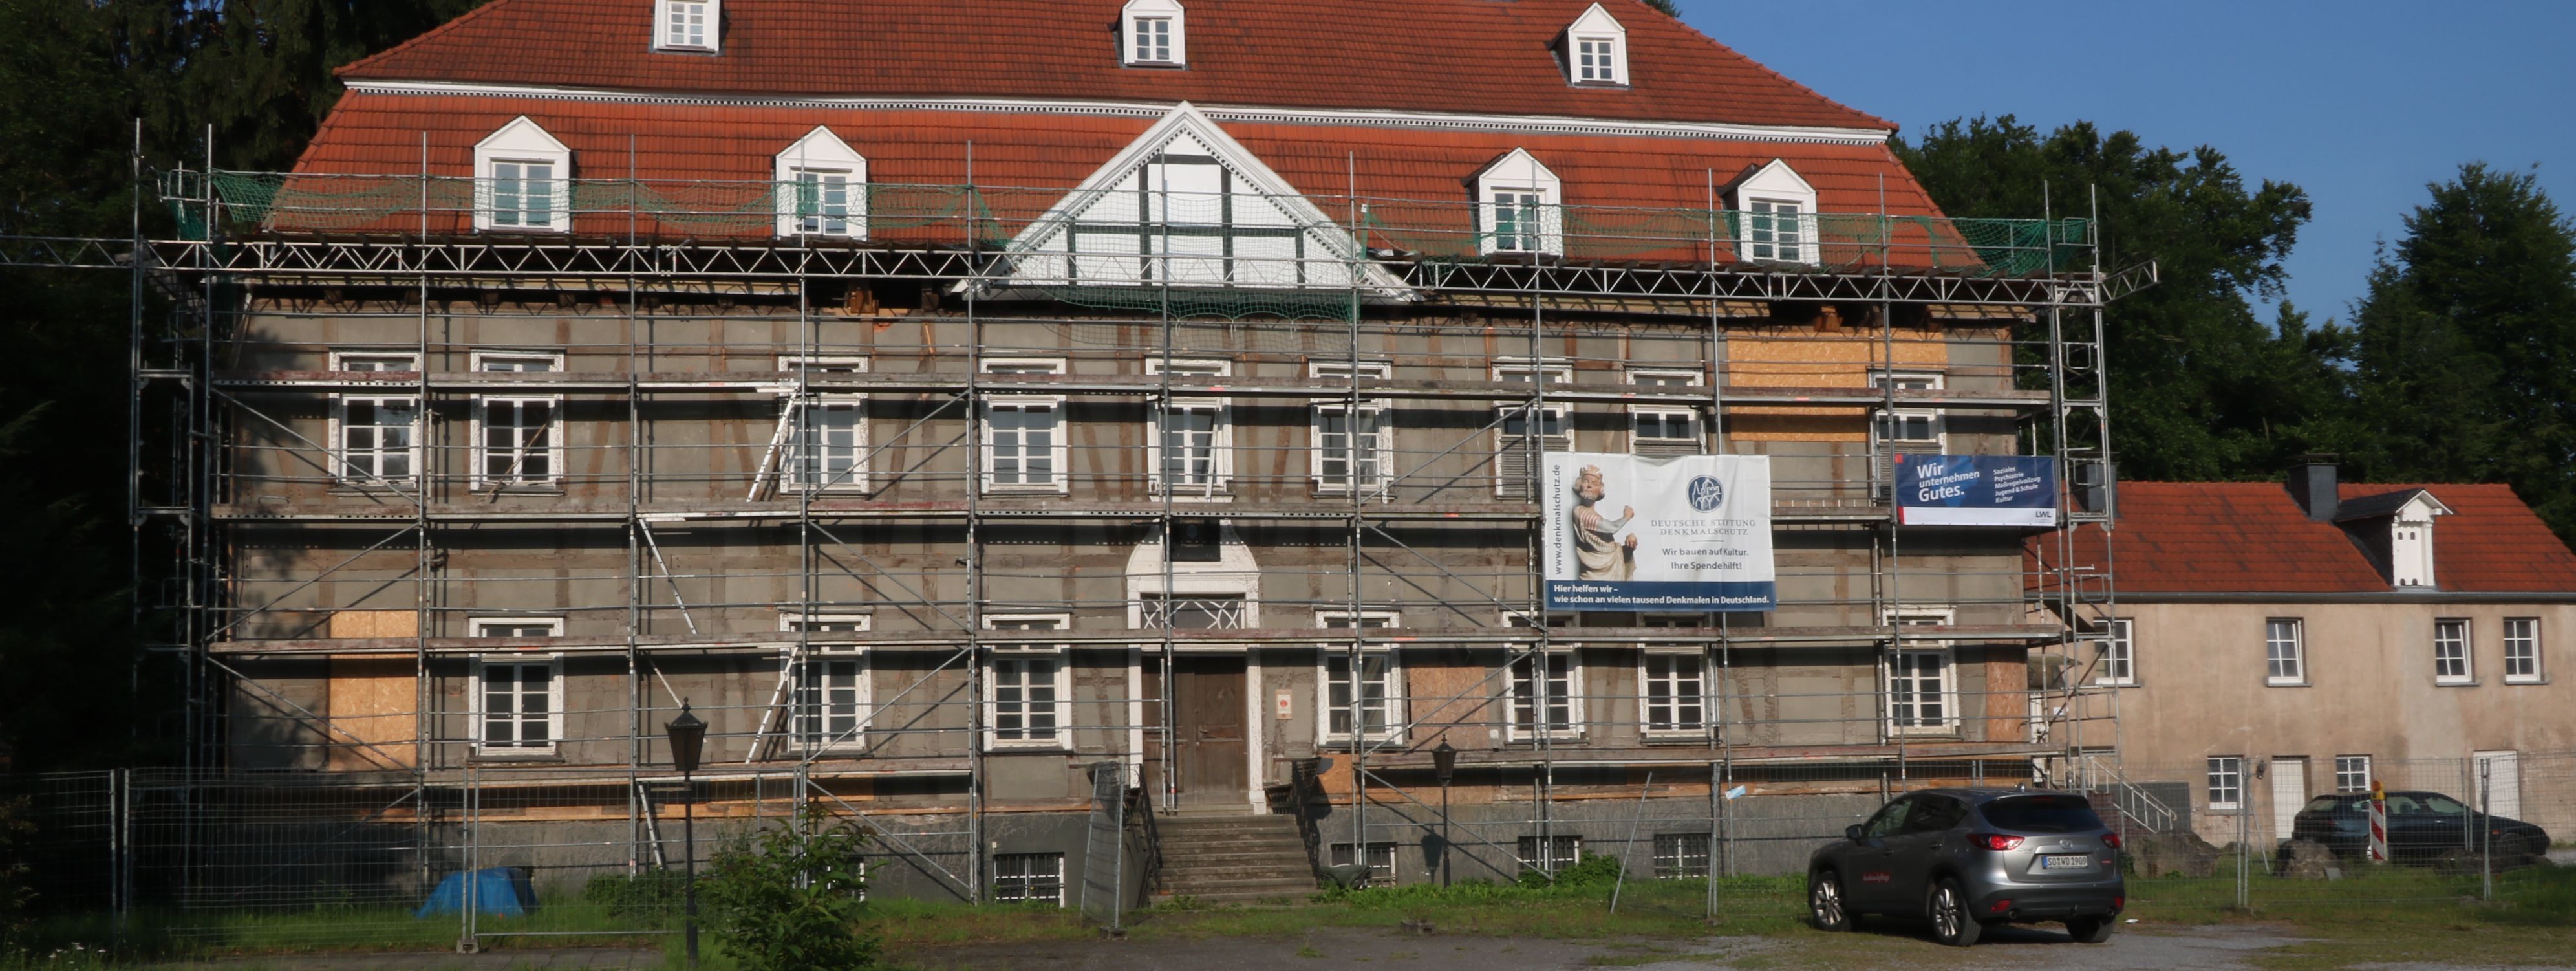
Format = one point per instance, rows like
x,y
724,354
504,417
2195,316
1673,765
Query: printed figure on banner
x,y
1692,533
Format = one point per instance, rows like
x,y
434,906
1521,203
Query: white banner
x,y
1686,534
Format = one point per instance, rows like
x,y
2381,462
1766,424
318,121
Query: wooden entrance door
x,y
1208,734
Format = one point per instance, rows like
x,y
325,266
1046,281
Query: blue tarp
x,y
498,892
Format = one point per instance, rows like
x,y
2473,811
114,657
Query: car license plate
x,y
2076,861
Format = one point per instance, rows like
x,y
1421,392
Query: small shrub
x,y
789,900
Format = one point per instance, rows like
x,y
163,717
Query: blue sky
x,y
2360,102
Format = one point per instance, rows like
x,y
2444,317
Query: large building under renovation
x,y
982,412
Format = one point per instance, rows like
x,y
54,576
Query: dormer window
x,y
1520,206
2410,541
1775,215
687,25
522,180
1154,35
1596,49
822,188
2397,528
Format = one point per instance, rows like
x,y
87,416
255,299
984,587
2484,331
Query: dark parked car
x,y
1966,858
2422,826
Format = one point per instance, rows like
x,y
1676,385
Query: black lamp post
x,y
1444,764
688,735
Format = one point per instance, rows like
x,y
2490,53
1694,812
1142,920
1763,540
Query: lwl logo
x,y
1706,493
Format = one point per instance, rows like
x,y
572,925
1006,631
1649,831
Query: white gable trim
x,y
1358,117
1045,254
821,151
521,142
1596,24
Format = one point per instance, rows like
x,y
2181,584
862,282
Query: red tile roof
x,y
1451,56
383,133
2251,537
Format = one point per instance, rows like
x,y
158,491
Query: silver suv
x,y
1966,858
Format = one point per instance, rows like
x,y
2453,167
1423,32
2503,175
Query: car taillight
x,y
2113,839
1995,841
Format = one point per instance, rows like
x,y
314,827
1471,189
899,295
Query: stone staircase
x,y
1234,859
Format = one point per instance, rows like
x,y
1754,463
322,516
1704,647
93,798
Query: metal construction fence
x,y
286,860
298,859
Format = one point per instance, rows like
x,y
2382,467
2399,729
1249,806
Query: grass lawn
x,y
2389,916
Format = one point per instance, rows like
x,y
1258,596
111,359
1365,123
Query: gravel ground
x,y
1882,946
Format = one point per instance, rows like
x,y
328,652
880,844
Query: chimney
x,y
2313,486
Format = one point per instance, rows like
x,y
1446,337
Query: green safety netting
x,y
1224,255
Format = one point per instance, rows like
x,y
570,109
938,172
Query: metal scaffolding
x,y
219,432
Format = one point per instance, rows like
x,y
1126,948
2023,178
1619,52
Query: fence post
x,y
2486,847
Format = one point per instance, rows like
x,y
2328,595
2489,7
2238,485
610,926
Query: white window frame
x,y
1646,678
2119,659
1220,475
1174,49
1690,414
2352,773
1520,729
2224,773
342,471
1941,654
1758,198
475,708
794,408
1534,190
2523,654
480,452
1379,472
1609,66
2285,668
819,653
1885,424
1556,411
821,154
1060,475
2453,652
673,34
522,142
1014,888
1391,678
1062,657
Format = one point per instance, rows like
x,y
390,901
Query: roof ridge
x,y
460,21
1463,56
1767,69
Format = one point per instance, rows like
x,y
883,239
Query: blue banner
x,y
1976,490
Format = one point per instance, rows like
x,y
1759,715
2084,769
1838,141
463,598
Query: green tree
x,y
2464,354
2200,386
789,899
262,76
80,75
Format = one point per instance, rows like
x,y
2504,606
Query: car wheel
x,y
2090,930
1951,923
1825,901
